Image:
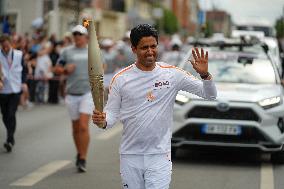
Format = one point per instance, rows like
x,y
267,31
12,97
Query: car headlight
x,y
181,99
270,102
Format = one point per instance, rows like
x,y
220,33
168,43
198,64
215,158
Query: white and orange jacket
x,y
144,101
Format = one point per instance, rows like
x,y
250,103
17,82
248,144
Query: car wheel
x,y
277,157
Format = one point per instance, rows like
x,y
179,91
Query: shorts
x,y
79,104
146,171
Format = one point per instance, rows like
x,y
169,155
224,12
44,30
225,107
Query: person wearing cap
x,y
108,54
175,55
73,62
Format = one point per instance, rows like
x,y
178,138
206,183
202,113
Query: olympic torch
x,y
95,67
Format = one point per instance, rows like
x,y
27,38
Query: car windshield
x,y
255,50
239,68
268,31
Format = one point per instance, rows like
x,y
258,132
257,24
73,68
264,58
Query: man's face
x,y
6,46
146,51
80,39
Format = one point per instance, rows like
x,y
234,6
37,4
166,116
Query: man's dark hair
x,y
5,37
140,31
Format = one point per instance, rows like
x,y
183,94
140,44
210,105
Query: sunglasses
x,y
77,33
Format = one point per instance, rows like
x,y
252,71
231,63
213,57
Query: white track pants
x,y
146,171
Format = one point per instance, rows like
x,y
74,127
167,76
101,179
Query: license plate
x,y
222,129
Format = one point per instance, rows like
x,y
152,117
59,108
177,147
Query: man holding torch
x,y
142,97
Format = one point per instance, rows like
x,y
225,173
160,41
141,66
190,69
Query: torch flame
x,y
86,23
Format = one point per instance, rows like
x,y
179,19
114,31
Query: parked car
x,y
249,110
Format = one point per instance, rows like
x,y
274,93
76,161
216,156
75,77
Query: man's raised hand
x,y
200,61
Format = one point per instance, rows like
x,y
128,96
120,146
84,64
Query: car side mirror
x,y
265,48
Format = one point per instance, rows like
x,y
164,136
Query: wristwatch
x,y
205,76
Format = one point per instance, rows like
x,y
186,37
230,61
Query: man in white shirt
x,y
13,79
142,96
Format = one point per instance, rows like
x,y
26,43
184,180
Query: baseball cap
x,y
107,42
80,29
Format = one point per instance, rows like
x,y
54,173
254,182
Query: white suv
x,y
249,109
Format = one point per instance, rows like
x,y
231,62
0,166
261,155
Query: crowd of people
x,y
41,53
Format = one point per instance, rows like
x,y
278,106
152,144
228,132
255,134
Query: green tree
x,y
279,26
208,29
170,22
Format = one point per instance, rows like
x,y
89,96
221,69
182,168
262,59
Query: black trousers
x,y
9,104
53,91
32,88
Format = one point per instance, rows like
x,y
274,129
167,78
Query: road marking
x,y
109,133
41,173
266,176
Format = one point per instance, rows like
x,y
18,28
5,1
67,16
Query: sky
x,y
248,10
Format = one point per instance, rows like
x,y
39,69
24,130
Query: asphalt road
x,y
44,154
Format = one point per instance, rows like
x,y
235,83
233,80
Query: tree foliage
x,y
208,29
170,22
279,26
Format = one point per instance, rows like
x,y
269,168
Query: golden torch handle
x,y
97,88
95,68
